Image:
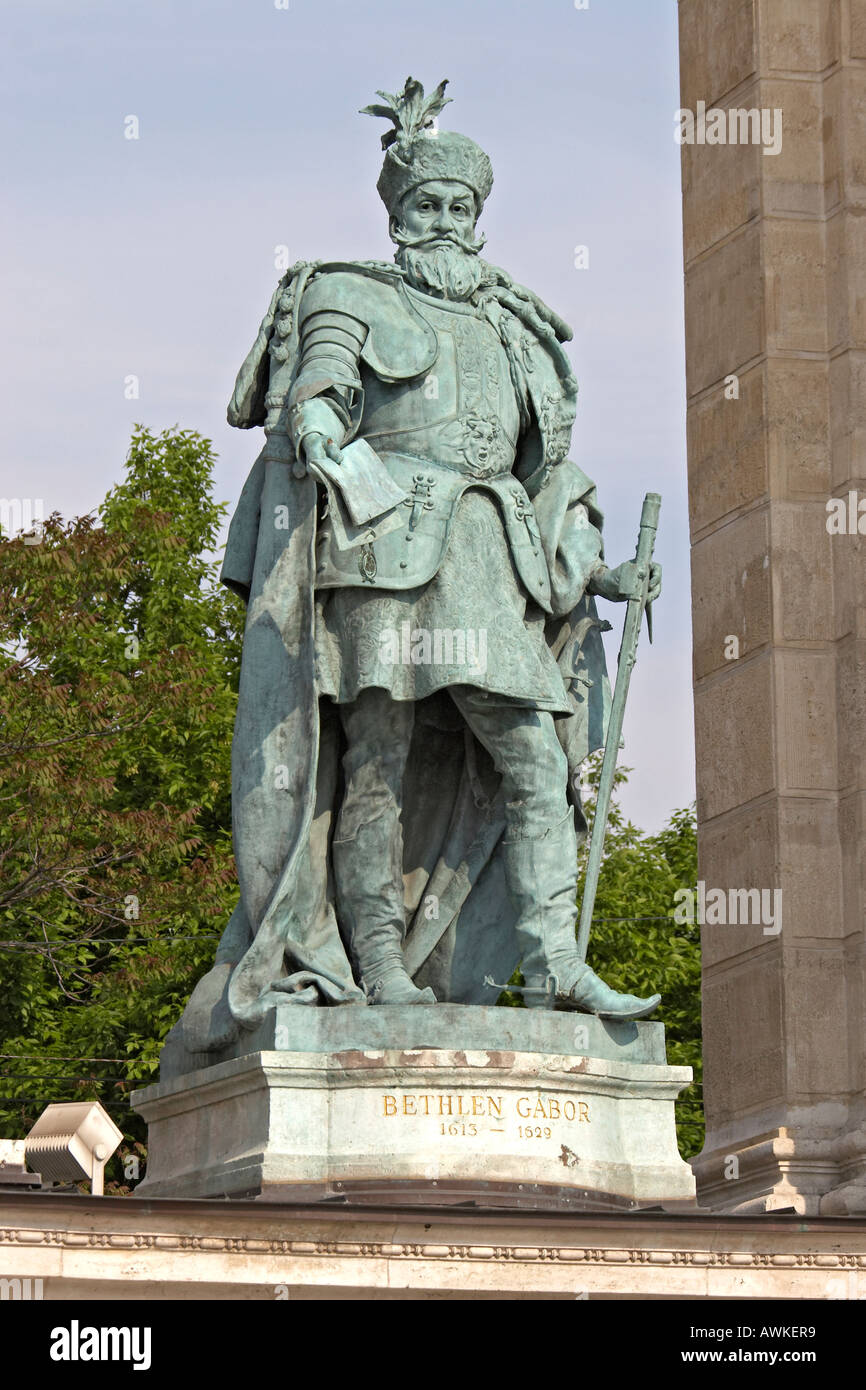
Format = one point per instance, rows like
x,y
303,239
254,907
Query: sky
x,y
154,257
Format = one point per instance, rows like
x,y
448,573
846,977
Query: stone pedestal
x,y
775,268
434,1104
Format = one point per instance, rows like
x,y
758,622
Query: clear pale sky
x,y
155,257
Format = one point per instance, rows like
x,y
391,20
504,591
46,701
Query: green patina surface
x,y
423,672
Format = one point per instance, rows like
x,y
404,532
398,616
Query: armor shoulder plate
x,y
400,344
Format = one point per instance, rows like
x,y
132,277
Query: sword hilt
x,y
548,988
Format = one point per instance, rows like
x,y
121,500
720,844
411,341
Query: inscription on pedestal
x,y
528,1115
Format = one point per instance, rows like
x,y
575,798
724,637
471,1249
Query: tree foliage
x,y
119,655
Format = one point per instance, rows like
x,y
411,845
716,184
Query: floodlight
x,y
73,1141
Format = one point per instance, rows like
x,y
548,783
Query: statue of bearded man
x,y
422,671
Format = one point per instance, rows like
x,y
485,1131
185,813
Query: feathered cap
x,y
417,152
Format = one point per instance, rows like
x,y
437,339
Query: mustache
x,y
468,243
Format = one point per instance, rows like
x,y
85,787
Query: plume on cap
x,y
416,152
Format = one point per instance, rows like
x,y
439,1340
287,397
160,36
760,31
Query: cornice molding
x,y
29,1237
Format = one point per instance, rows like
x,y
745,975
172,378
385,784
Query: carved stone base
x,y
812,1166
542,1128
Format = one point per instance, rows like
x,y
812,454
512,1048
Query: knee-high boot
x,y
541,876
368,872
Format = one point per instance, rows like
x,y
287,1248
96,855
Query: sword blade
x,y
625,664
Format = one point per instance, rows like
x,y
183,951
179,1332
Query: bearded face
x,y
435,236
447,271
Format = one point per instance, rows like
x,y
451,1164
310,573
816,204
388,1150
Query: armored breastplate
x,y
464,413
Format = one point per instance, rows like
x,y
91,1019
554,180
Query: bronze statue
x,y
423,672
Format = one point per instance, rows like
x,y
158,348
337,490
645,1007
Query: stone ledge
x,y
300,1028
132,1248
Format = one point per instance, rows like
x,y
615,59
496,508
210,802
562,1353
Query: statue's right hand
x,y
317,448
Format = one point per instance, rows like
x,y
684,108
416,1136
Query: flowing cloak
x,y
283,942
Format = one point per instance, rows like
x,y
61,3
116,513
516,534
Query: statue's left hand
x,y
622,583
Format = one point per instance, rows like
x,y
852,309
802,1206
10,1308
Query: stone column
x,y
775,267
